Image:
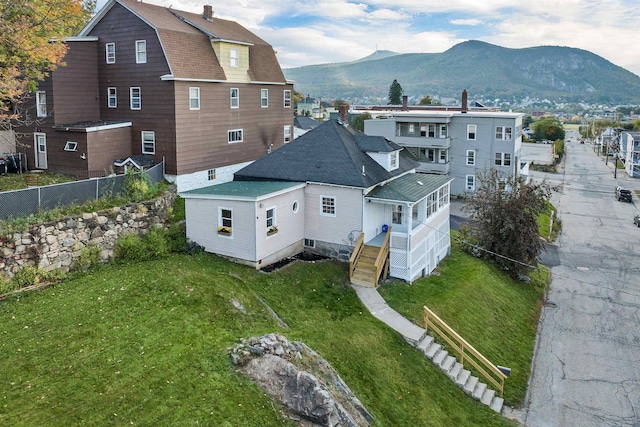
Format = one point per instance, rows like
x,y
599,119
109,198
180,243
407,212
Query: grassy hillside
x,y
146,344
485,70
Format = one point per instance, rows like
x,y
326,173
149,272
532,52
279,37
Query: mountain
x,y
487,72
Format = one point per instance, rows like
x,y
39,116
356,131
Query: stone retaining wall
x,y
58,244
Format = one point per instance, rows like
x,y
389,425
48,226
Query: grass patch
x,y
146,344
548,231
495,314
16,181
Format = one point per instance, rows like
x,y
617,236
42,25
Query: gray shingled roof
x,y
240,189
328,154
306,123
411,187
185,38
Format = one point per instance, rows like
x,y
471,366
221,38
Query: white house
x,y
327,192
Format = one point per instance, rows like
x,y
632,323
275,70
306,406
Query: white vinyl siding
x,y
335,229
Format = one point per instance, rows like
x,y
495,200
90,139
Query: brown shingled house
x,y
205,94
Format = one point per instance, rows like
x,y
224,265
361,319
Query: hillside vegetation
x,y
485,70
146,344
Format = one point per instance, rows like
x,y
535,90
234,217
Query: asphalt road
x,y
586,371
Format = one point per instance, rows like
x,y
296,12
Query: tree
x,y
395,93
338,102
504,226
548,128
426,100
31,44
358,121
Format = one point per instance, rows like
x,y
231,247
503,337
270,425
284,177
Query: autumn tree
x,y
31,45
395,93
426,100
548,128
503,221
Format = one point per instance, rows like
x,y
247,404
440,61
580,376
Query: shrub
x,y
89,256
137,187
155,243
176,236
26,276
130,248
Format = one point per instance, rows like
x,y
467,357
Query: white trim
x,y
220,222
144,43
38,112
217,39
234,57
142,141
106,52
335,204
68,146
475,132
131,98
473,163
274,222
81,39
235,130
172,78
268,83
98,128
466,183
115,96
231,97
196,98
284,98
242,198
264,97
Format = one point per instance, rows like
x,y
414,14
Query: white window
x,y
211,174
471,157
141,51
148,142
233,58
235,135
41,104
309,243
393,160
71,146
287,134
270,218
135,98
235,97
110,49
264,98
443,131
471,183
503,132
503,159
225,221
396,215
443,196
112,97
471,132
443,156
429,154
432,204
423,130
412,128
432,131
327,206
287,99
194,98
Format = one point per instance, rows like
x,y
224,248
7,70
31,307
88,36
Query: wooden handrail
x,y
381,259
462,347
355,255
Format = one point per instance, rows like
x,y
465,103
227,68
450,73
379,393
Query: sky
x,y
327,31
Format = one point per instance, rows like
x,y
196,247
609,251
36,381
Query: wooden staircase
x,y
368,263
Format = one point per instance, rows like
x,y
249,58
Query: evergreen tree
x,y
395,93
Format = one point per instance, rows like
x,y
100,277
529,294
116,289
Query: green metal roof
x,y
411,187
241,189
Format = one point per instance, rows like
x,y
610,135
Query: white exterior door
x,y
40,142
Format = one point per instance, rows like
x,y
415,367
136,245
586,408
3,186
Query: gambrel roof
x,y
186,41
329,154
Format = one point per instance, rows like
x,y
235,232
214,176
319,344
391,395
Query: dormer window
x,y
234,60
393,160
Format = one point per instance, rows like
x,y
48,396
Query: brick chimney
x,y
464,101
405,102
208,12
343,112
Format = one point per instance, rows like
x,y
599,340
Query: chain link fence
x,y
21,203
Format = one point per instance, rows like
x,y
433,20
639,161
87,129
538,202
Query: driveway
x,y
587,366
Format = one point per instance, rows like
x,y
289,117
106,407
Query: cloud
x,y
469,22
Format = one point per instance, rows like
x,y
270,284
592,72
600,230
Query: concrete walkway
x,y
381,311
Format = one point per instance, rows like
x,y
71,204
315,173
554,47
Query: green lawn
x,y
15,181
496,315
146,344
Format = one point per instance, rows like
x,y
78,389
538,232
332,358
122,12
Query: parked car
x,y
623,194
636,220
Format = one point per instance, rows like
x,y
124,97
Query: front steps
x,y
365,270
470,384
